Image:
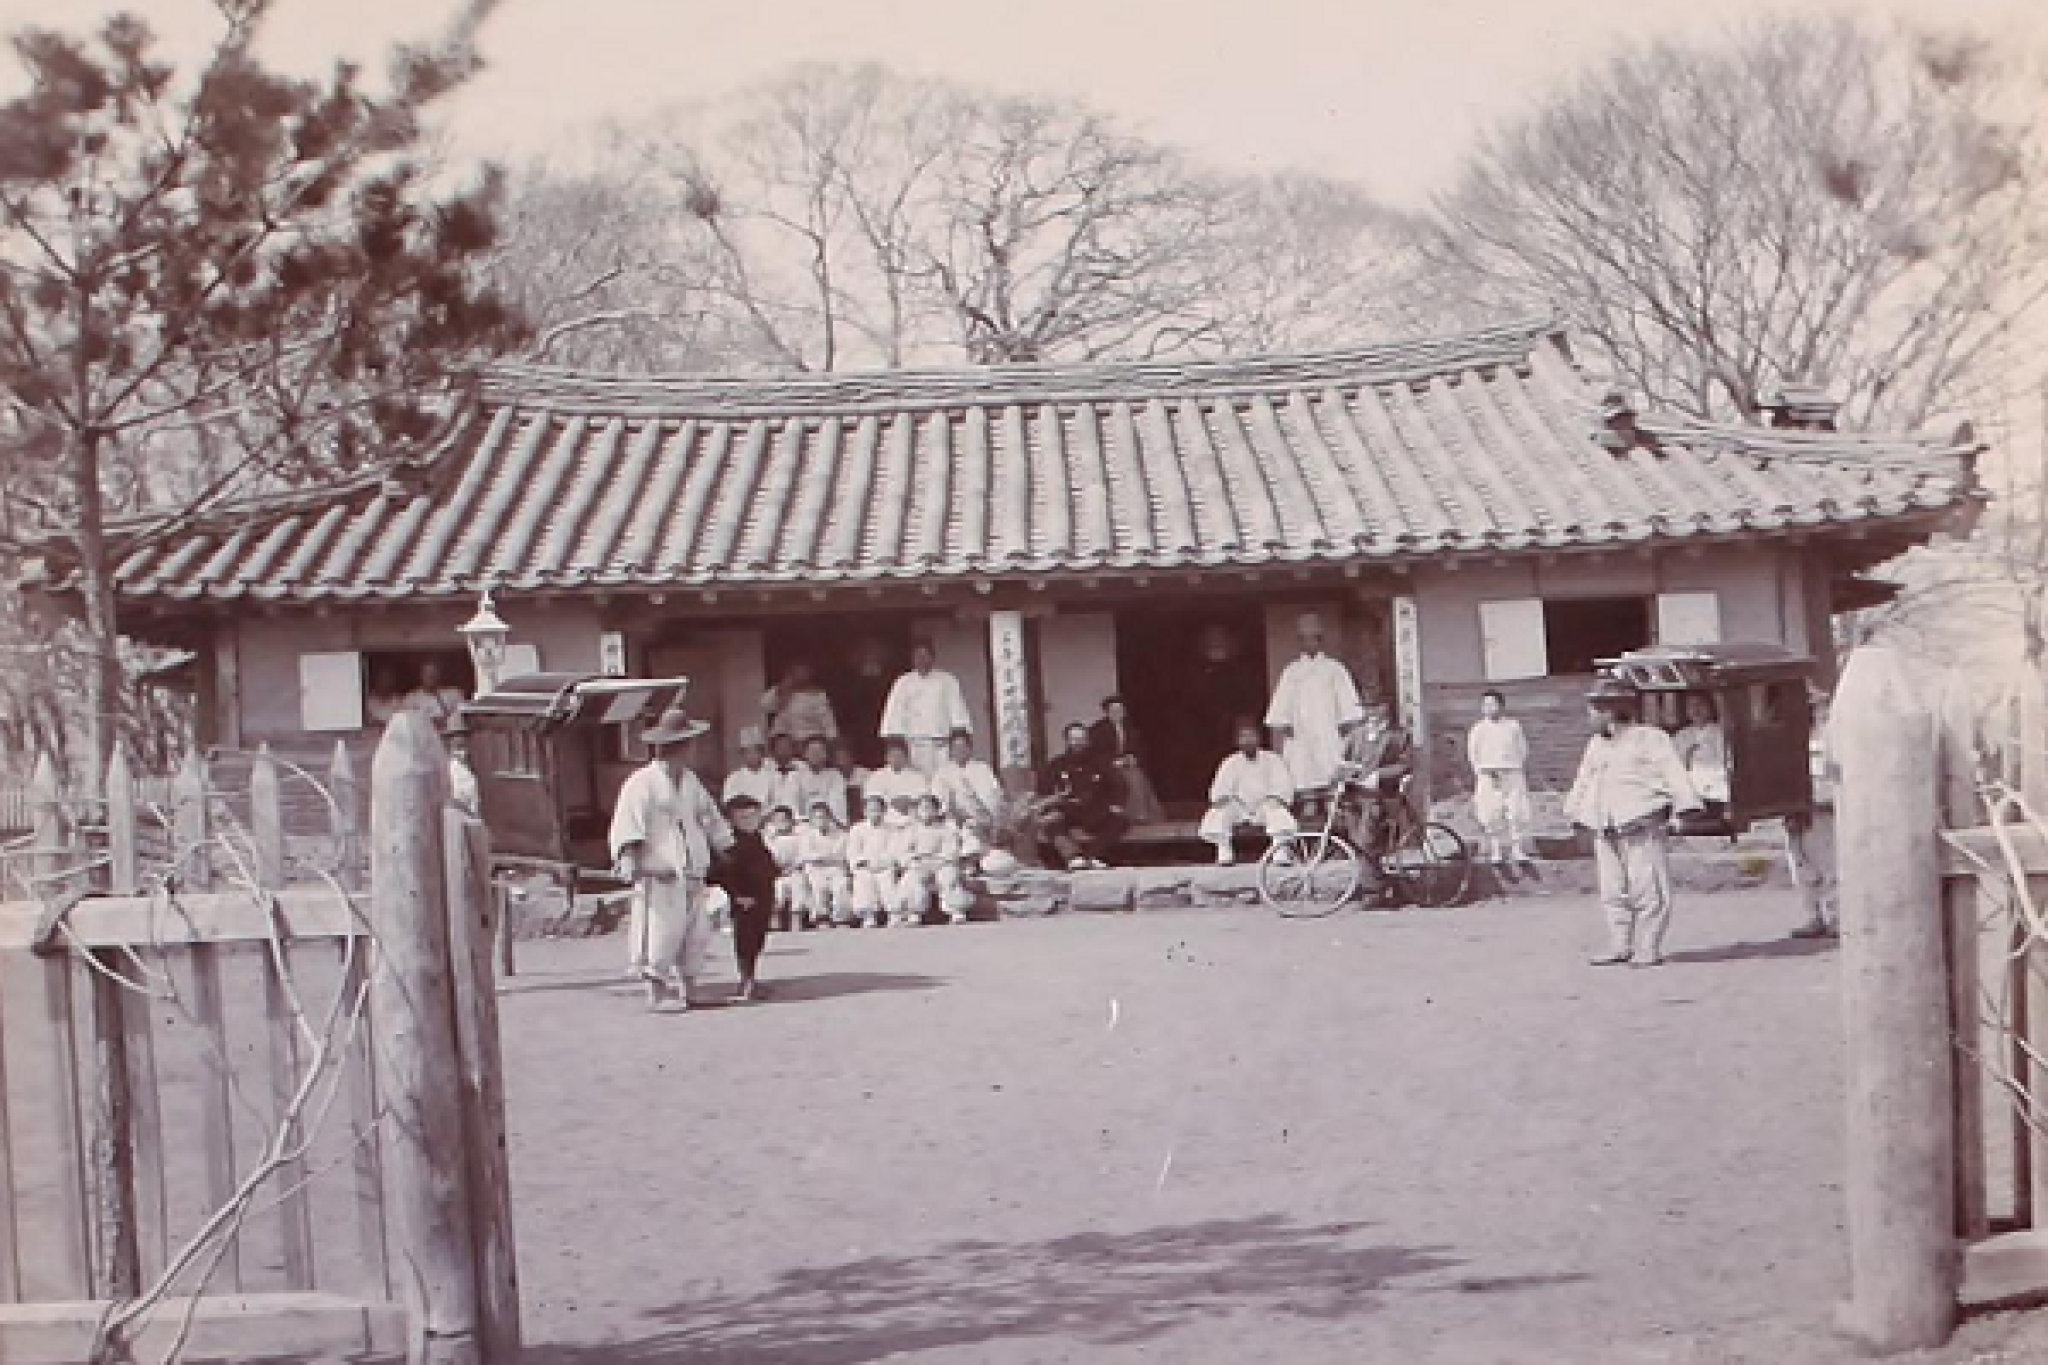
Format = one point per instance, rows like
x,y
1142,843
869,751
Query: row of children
x,y
890,866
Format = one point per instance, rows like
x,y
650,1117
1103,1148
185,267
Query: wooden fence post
x,y
1899,1175
425,1157
49,995
473,905
347,794
192,849
123,869
1961,808
266,832
2030,967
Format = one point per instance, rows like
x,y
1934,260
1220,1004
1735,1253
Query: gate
x,y
1942,811
246,1108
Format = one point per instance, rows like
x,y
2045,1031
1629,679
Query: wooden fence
x,y
226,1105
1942,812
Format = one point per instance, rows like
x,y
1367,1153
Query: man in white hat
x,y
664,832
757,776
1313,708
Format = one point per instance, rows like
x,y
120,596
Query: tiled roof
x,y
1488,442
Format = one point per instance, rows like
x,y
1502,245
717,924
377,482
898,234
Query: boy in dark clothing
x,y
747,871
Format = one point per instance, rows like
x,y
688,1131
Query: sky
x,y
1389,93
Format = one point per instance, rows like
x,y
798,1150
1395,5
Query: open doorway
x,y
856,658
1190,671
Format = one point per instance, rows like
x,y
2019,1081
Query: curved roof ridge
x,y
1796,443
1383,362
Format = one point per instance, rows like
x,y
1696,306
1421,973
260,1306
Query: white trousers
x,y
1635,891
1225,818
1811,856
921,887
927,755
670,933
874,890
1500,803
828,893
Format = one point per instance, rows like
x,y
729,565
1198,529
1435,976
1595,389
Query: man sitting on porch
x,y
1252,787
1080,806
971,794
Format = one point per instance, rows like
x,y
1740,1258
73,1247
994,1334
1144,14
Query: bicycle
x,y
1310,873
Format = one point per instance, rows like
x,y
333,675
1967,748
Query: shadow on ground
x,y
1097,1288
1753,949
819,986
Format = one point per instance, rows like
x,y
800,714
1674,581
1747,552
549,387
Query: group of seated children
x,y
905,857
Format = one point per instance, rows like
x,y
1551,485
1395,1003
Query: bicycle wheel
x,y
1431,866
1306,876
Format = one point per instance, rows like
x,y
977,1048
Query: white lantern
x,y
486,635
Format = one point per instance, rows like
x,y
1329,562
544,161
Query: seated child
x,y
746,871
792,900
931,867
821,854
873,858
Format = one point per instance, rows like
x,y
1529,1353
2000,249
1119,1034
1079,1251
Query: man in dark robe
x,y
1080,804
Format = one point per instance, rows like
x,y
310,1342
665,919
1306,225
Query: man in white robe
x,y
1252,787
925,709
664,831
971,794
1313,708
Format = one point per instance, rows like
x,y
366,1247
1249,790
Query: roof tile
x,y
1454,444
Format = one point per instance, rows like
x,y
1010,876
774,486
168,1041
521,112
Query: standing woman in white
x,y
925,709
664,831
1314,707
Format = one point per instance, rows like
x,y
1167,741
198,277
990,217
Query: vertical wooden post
x,y
123,877
192,851
266,820
192,829
1899,1176
50,995
472,906
1961,809
266,830
427,1188
347,814
2031,967
1411,700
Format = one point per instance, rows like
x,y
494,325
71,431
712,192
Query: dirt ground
x,y
1197,1136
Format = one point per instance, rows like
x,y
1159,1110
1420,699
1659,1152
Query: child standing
x,y
792,903
872,855
1499,753
931,867
748,874
821,848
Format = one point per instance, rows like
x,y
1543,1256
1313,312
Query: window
x,y
1511,638
388,675
331,691
1688,618
1578,632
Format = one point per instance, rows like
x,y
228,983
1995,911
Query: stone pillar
x,y
1009,669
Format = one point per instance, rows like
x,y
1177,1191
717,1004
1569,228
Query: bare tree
x,y
1821,201
851,217
607,279
1303,262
